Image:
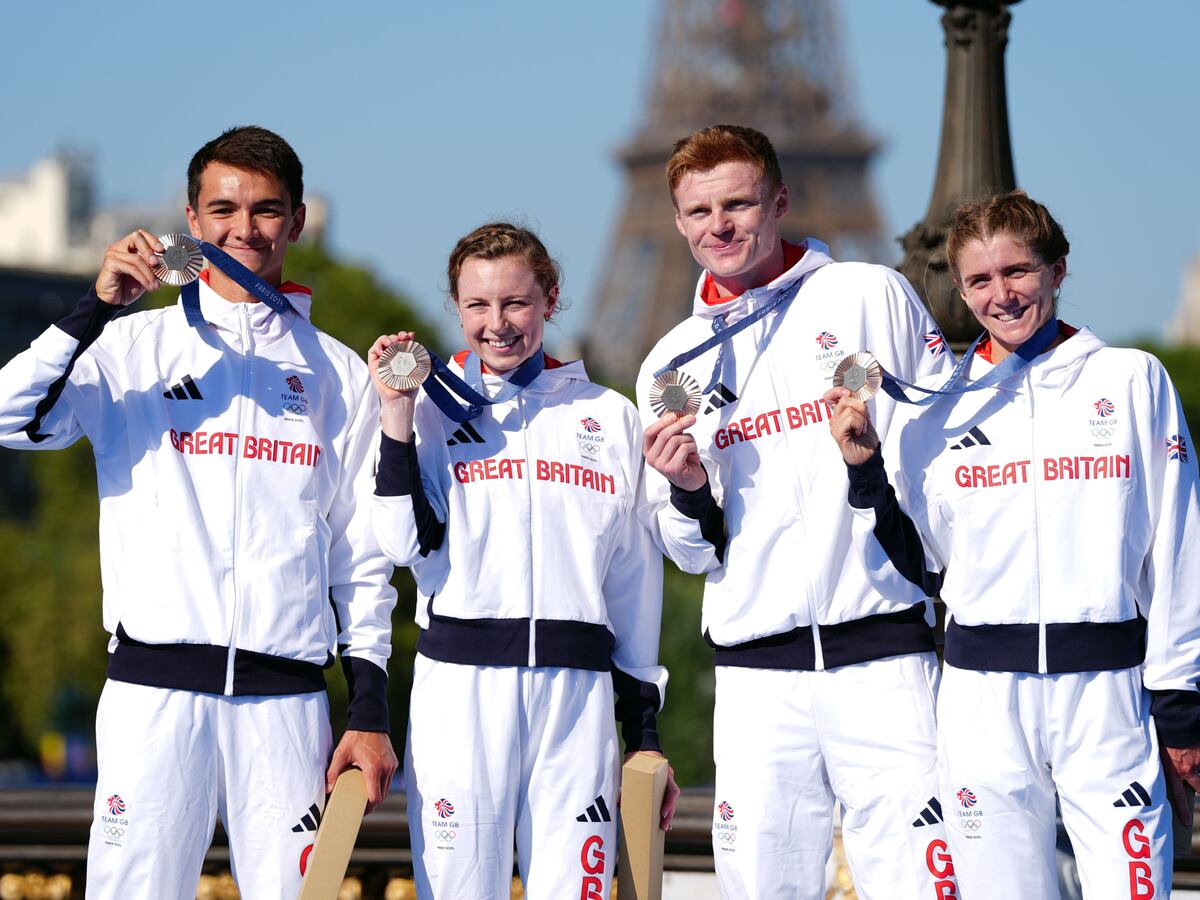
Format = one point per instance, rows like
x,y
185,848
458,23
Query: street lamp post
x,y
975,157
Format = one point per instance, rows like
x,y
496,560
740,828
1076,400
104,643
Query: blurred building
x,y
1185,327
773,65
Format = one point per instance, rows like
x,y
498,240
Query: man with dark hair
x,y
824,687
233,445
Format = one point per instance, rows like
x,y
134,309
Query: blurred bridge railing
x,y
44,835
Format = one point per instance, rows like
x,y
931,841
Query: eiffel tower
x,y
773,65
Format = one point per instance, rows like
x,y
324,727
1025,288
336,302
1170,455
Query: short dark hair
x,y
1014,213
254,149
704,150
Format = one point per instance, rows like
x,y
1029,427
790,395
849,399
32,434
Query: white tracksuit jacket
x,y
524,530
230,458
786,587
1063,506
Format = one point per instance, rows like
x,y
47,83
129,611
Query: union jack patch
x,y
827,340
444,808
935,343
725,811
1104,407
590,425
1177,448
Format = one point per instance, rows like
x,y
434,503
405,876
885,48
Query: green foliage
x,y
686,721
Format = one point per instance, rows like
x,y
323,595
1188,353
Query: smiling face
x,y
1009,288
249,215
730,217
503,309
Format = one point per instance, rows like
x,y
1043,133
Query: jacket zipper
x,y
529,538
1037,535
242,400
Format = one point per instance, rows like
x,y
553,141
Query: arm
x,y
874,501
363,601
406,524
687,521
633,594
1170,584
32,385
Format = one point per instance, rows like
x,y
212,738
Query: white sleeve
x,y
359,573
632,591
1169,588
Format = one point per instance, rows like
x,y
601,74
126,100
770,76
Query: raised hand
x,y
851,426
670,450
128,268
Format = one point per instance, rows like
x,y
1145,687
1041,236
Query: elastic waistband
x,y
843,644
202,667
505,642
1070,646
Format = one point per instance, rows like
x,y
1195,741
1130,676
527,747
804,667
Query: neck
x,y
1001,350
228,289
764,273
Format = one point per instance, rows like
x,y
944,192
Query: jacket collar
x,y
815,255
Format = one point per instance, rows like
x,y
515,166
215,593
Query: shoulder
x,y
683,336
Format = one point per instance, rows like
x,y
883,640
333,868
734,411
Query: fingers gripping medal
x,y
404,366
181,260
675,392
860,374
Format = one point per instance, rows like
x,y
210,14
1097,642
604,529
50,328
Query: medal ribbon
x,y
244,278
723,334
1009,366
443,385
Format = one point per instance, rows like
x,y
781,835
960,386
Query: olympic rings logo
x,y
114,831
297,408
971,824
444,835
828,364
726,837
1103,432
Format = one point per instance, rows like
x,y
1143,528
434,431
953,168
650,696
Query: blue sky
x,y
419,121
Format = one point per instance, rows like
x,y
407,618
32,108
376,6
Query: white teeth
x,y
500,345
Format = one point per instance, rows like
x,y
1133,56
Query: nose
x,y
495,319
721,222
243,226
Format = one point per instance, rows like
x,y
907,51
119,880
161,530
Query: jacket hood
x,y
1057,368
816,254
550,379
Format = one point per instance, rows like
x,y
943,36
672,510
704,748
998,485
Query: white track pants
x,y
498,750
171,761
787,743
1009,740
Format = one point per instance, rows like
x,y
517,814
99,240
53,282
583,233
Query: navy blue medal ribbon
x,y
244,278
723,334
443,385
1005,369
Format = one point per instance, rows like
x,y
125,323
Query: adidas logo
x,y
972,438
597,812
185,389
311,820
465,435
722,396
1134,795
930,815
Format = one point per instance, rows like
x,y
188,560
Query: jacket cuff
x,y
637,711
87,320
1177,717
368,709
399,472
868,482
695,504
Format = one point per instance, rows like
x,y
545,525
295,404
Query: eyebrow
x,y
261,204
